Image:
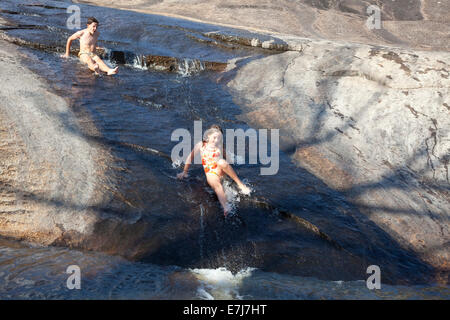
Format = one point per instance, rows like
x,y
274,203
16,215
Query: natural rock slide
x,y
58,231
41,194
151,62
371,121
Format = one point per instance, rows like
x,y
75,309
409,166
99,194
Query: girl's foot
x,y
113,71
245,190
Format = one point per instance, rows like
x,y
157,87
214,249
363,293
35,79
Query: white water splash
x,y
107,60
204,295
177,163
220,283
107,55
139,63
188,67
232,196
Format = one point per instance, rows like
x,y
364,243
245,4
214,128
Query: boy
x,y
88,43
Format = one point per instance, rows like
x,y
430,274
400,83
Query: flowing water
x,y
260,252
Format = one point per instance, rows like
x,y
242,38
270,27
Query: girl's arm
x,y
189,160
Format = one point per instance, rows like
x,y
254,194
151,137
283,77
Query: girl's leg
x,y
104,67
216,185
225,167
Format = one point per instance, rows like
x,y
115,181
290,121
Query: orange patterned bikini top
x,y
210,158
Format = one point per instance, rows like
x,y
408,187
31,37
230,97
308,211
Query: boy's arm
x,y
76,35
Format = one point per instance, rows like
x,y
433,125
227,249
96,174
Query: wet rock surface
x,y
151,62
408,23
368,121
45,162
372,122
63,185
57,185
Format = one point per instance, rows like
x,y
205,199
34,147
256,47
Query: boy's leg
x,y
92,65
104,67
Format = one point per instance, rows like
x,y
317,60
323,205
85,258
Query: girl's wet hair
x,y
210,131
92,20
216,126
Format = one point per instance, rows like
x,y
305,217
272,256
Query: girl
x,y
214,165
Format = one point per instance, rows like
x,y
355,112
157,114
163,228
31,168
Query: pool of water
x,y
257,253
31,272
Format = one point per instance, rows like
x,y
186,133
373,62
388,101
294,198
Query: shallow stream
x,y
258,252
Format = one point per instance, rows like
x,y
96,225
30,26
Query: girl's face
x,y
215,138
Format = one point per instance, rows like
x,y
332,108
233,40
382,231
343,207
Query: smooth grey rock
x,y
372,122
419,24
52,177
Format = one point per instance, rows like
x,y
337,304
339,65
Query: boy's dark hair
x,y
91,20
